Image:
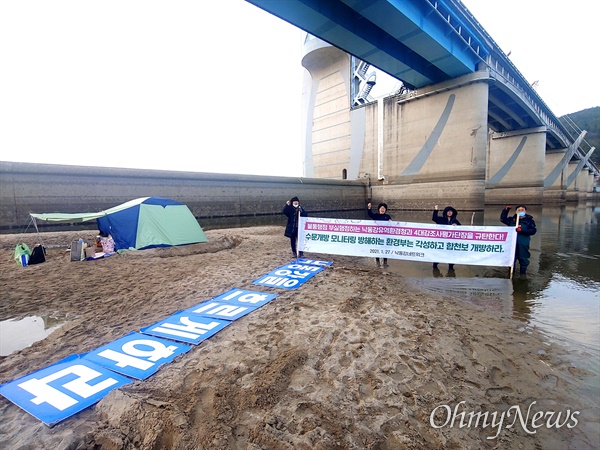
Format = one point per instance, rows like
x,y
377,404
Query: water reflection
x,y
18,334
560,295
491,293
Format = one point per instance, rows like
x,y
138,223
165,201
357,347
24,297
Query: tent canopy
x,y
141,223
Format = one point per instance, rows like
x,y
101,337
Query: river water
x,y
560,295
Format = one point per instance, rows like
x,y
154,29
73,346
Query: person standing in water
x,y
525,229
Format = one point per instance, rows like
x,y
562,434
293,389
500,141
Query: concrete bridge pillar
x,y
516,162
591,184
585,192
430,147
555,189
573,187
326,104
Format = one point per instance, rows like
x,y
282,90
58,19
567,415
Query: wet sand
x,y
356,358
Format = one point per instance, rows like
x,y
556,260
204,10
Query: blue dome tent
x,y
142,223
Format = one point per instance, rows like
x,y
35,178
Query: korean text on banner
x,y
475,245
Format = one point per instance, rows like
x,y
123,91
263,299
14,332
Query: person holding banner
x,y
448,218
383,216
525,227
293,211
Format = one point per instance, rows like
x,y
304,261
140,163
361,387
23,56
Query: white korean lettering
x,y
188,329
220,309
44,393
159,351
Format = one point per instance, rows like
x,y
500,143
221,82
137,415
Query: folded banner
x,y
475,245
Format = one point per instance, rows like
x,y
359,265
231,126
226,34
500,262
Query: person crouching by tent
x,y
380,215
525,229
448,218
293,211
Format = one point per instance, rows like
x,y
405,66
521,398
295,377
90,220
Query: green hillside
x,y
589,120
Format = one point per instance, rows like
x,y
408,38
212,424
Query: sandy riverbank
x,y
353,359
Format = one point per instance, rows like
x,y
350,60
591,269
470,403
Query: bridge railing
x,y
533,102
470,31
463,32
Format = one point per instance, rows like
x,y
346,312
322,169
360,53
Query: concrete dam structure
x,y
216,200
465,127
431,145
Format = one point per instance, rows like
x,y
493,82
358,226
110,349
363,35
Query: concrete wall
x,y
590,184
216,200
583,185
573,188
516,171
430,145
414,151
557,192
434,148
582,188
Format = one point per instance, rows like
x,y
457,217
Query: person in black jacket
x,y
293,211
525,229
382,215
448,218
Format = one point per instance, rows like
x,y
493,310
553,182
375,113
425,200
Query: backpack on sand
x,y
22,254
38,255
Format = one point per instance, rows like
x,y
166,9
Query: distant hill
x,y
589,120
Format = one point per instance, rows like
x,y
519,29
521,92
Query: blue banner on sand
x,y
245,298
313,262
289,276
221,310
186,327
136,355
62,389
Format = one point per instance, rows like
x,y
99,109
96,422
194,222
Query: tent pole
x,y
39,235
513,264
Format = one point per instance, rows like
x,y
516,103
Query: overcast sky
x,y
216,86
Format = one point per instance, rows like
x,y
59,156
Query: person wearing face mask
x,y
525,228
293,211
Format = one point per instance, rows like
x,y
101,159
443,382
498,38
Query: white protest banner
x,y
475,245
